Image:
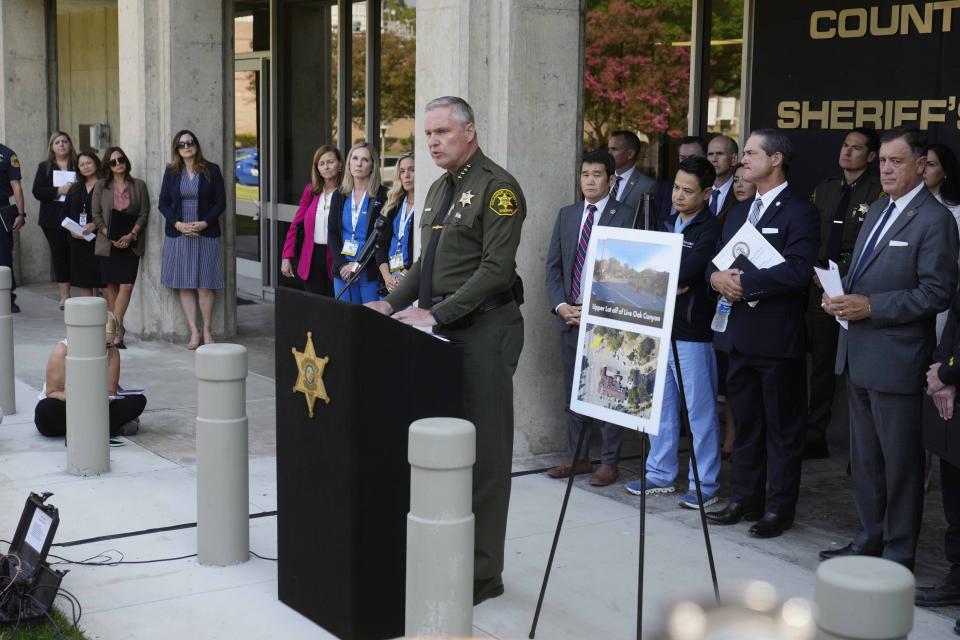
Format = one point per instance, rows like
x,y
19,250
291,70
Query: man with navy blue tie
x,y
564,269
722,154
903,273
764,340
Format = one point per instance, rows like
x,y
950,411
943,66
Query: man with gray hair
x,y
467,289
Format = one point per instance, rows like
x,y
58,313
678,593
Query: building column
x,y
172,77
519,64
23,119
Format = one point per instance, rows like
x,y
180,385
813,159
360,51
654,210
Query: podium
x,y
343,480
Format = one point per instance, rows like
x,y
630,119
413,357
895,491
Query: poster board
x,y
629,296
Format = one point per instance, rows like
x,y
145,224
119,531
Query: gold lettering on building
x,y
842,115
901,19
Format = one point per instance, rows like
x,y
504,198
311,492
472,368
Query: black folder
x,y
941,437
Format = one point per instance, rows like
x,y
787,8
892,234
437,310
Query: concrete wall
x,y
172,68
88,69
23,119
518,63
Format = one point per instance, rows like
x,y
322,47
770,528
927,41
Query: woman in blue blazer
x,y
192,198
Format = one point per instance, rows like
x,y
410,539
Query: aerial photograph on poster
x,y
618,370
630,281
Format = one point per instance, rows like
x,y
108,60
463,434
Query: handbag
x,y
102,245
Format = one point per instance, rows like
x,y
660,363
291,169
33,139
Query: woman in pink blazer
x,y
306,241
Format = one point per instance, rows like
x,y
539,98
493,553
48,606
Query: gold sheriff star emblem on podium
x,y
310,374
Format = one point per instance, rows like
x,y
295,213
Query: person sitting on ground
x,y
50,415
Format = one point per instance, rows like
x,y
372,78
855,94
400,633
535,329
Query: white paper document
x,y
73,226
61,178
749,243
832,286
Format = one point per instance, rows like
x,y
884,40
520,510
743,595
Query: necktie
x,y
714,198
425,297
616,187
582,253
756,212
835,239
871,244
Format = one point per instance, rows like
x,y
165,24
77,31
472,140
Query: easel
x,y
685,426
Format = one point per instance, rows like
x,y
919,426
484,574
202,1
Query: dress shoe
x,y
604,475
849,550
770,526
940,596
816,450
487,589
564,470
14,307
733,513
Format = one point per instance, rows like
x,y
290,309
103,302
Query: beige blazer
x,y
102,208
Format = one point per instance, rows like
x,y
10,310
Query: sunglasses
x,y
116,162
186,144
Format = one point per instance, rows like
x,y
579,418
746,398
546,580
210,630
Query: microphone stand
x,y
366,254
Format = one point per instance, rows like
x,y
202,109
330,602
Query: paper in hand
x,y
832,286
61,178
73,226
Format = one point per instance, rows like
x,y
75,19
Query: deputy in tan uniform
x,y
843,202
466,284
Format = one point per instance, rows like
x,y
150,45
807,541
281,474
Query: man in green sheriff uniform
x,y
843,202
466,284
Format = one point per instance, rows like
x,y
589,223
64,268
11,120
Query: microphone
x,y
371,244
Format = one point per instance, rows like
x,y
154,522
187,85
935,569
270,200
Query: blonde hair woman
x,y
363,198
395,254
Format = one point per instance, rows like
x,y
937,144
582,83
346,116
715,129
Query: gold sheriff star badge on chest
x,y
466,198
310,374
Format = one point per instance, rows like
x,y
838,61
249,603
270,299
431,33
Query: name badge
x,y
83,219
396,262
350,247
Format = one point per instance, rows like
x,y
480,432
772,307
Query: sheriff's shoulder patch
x,y
15,161
503,202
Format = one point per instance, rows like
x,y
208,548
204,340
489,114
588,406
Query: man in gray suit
x,y
903,272
630,183
564,267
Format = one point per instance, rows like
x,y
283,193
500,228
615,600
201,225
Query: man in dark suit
x,y
942,379
722,154
564,266
904,272
630,183
764,342
843,202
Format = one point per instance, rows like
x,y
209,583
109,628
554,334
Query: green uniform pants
x,y
491,350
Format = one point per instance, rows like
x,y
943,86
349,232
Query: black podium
x,y
343,480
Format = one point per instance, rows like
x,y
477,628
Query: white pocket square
x,y
769,230
899,243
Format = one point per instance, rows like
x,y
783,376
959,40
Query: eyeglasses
x,y
186,144
116,162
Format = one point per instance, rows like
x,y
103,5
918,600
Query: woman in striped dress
x,y
192,198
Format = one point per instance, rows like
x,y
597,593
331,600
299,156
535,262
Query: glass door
x,y
250,180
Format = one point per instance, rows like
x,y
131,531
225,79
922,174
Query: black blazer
x,y
694,309
78,201
384,247
335,233
52,210
211,201
775,327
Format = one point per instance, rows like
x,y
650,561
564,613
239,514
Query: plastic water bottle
x,y
722,315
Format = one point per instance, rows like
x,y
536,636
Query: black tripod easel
x,y
685,427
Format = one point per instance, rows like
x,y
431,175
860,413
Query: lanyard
x,y
355,210
405,215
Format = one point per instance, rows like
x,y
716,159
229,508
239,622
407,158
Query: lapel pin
x,y
909,213
777,203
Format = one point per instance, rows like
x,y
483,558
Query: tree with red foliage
x,y
633,77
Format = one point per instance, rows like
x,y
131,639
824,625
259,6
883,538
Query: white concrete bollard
x,y
88,408
8,399
864,598
223,489
440,529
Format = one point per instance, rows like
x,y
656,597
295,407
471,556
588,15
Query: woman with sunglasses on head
x,y
311,222
349,228
84,265
192,198
395,253
61,156
120,206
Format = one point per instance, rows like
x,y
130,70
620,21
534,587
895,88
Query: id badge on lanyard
x,y
351,246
